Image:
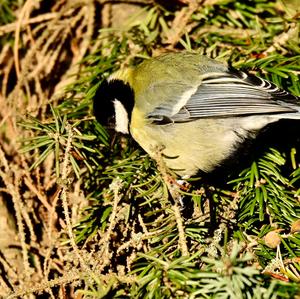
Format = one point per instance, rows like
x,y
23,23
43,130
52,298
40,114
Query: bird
x,y
195,111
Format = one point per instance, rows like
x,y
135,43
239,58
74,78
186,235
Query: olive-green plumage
x,y
197,110
164,78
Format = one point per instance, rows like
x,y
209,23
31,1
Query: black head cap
x,y
104,101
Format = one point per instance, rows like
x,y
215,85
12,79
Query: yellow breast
x,y
185,146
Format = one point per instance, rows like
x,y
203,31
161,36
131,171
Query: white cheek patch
x,y
122,121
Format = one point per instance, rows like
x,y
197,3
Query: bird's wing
x,y
226,94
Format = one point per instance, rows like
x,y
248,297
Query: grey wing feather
x,y
229,94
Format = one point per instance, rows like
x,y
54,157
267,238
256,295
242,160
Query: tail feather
x,y
294,115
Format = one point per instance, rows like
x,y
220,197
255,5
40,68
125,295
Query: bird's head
x,y
113,104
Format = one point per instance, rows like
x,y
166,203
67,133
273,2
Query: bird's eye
x,y
111,122
105,114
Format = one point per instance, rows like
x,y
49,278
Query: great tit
x,y
195,110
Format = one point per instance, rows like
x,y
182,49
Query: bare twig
x,y
38,19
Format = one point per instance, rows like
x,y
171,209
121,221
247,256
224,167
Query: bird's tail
x,y
290,115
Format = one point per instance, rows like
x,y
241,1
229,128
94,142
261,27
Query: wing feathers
x,y
233,93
